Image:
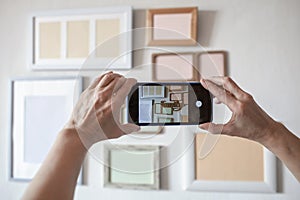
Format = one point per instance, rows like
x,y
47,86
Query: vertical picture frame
x,y
140,171
40,108
172,26
179,67
64,39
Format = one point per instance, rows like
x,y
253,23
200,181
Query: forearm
x,y
285,145
57,177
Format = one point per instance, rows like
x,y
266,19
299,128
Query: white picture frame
x,y
30,98
267,185
158,91
126,150
124,61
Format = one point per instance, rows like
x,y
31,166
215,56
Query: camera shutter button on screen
x,y
198,104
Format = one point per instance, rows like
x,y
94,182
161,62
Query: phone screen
x,y
169,104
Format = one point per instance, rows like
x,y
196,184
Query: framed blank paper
x,y
40,109
131,166
174,67
172,26
65,39
212,63
234,164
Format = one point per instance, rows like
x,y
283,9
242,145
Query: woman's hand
x,y
96,115
248,119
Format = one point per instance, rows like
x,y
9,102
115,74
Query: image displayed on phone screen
x,y
163,103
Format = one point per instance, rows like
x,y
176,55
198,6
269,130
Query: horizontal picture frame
x,y
172,26
178,67
233,165
40,107
140,171
75,39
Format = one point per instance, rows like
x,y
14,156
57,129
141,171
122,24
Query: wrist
x,y
272,134
71,138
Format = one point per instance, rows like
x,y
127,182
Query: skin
x,y
93,120
250,121
57,177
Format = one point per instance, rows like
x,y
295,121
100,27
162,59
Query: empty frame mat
x,y
212,63
172,26
132,167
40,110
232,159
65,41
174,67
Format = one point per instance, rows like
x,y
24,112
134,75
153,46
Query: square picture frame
x,y
31,98
64,39
145,160
260,179
178,67
212,63
163,33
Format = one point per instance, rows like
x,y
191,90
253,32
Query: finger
x,y
216,101
98,79
122,93
221,94
229,85
213,128
121,81
107,79
129,128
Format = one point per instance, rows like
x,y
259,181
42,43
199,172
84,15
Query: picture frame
x,y
212,63
164,33
167,111
140,171
176,88
178,67
165,119
218,175
38,105
176,96
63,39
152,91
157,108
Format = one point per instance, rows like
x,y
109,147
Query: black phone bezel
x,y
203,95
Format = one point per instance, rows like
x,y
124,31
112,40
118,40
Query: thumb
x,y
129,128
213,128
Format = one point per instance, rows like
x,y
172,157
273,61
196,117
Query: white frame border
x,y
124,13
268,185
34,167
108,184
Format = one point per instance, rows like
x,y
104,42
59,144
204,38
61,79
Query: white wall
x,y
262,37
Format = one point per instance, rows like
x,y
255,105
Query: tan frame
x,y
225,55
150,23
195,71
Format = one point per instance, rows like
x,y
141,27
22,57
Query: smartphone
x,y
157,104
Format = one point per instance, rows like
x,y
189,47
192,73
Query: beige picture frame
x,y
163,33
178,67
